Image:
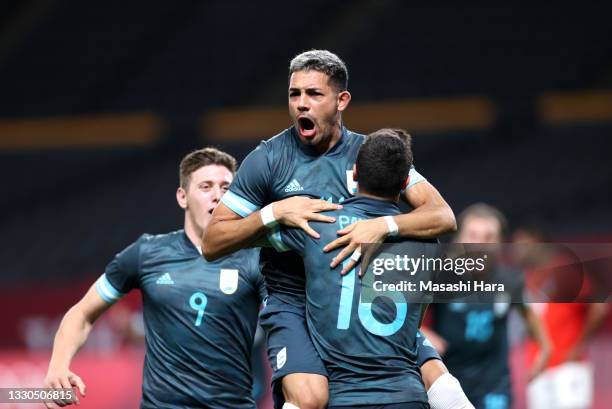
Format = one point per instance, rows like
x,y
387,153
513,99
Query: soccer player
x,y
200,317
314,158
369,348
472,337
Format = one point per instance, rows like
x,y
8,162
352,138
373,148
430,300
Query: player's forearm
x,y
71,335
427,221
223,237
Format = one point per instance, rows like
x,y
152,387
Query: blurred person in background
x,y
473,337
200,317
567,382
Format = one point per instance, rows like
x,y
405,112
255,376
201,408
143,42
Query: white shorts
x,y
567,386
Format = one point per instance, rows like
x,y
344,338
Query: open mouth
x,y
307,127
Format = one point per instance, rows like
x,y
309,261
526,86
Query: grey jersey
x,y
200,319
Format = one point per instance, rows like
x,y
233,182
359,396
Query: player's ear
x,y
354,173
181,197
344,98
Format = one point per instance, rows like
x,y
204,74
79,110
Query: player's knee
x,y
311,398
306,392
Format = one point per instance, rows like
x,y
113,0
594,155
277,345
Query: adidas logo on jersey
x,y
165,279
293,186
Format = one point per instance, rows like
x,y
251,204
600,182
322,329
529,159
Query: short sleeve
x,y
414,177
425,350
250,188
121,274
284,239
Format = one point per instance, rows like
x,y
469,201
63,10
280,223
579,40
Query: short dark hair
x,y
323,61
204,157
384,161
484,211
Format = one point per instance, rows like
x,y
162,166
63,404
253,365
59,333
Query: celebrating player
x,y
314,158
200,317
369,348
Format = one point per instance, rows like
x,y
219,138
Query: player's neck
x,y
193,233
331,141
363,193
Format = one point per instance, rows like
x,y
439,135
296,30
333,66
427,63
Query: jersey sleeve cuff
x,y
107,291
276,240
238,205
415,177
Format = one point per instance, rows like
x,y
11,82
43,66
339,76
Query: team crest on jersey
x,y
228,280
351,184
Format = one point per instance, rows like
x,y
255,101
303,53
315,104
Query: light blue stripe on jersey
x,y
415,177
107,291
238,205
276,240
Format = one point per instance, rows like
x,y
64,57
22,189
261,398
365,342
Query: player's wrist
x,y
392,227
267,216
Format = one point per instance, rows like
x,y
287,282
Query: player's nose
x,y
217,193
303,103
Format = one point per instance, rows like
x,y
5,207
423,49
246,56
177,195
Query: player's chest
x,y
193,285
328,178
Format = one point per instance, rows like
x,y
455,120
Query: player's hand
x,y
297,211
353,237
64,379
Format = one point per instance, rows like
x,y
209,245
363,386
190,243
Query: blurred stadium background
x,y
508,104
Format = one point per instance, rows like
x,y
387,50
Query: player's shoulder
x,y
161,239
354,138
268,148
282,139
172,242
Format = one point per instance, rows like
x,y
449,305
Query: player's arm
x,y
431,217
120,276
228,231
244,213
537,332
443,389
71,335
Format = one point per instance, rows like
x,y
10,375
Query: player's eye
x,y
225,188
205,187
294,93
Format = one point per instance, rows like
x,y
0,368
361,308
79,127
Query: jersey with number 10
x,y
281,167
200,319
368,344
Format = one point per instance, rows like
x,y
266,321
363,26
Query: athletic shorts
x,y
290,349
